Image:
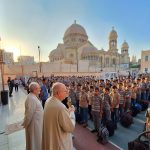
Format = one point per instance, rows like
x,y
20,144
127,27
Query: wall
x,y
145,64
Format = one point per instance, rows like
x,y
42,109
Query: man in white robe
x,y
33,120
59,122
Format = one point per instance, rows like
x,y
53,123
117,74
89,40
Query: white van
x,y
107,75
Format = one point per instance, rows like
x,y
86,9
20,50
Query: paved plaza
x,y
14,112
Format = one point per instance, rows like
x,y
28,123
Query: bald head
x,y
57,87
59,90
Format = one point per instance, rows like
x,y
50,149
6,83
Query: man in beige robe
x,y
33,120
59,122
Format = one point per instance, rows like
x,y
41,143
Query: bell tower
x,y
113,41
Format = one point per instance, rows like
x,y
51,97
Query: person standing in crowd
x,y
143,89
127,98
101,88
147,89
90,95
83,103
96,102
106,106
44,92
133,94
78,92
33,120
10,86
121,91
58,122
102,83
16,83
115,96
138,94
108,84
72,95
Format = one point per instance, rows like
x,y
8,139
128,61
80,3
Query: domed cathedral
x,y
77,48
74,37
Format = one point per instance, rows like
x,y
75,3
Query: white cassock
x,y
33,122
58,125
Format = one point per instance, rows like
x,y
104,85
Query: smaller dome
x,y
113,34
52,53
88,49
125,45
56,53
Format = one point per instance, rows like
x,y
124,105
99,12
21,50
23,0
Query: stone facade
x,y
145,61
76,47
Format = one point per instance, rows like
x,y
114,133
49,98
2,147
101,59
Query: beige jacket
x,y
58,125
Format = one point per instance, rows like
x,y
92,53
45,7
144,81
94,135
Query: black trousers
x,y
16,87
43,103
10,91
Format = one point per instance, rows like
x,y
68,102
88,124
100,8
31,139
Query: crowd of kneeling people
x,y
104,102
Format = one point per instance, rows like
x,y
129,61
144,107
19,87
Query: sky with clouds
x,y
25,24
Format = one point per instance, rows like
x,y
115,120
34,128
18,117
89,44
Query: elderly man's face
x,y
63,93
37,90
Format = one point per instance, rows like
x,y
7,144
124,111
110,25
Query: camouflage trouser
x,y
106,116
127,105
96,119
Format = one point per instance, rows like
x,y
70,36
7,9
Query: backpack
x,y
126,119
136,109
144,104
111,127
103,135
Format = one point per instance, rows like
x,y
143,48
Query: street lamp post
x,y
39,58
77,59
101,63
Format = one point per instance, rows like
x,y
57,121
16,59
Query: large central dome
x,y
75,29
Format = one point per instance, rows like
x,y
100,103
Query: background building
x,y
25,60
134,61
8,58
145,61
76,48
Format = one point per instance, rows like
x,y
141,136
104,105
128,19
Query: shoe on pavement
x,y
85,125
93,131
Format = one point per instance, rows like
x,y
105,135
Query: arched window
x,y
101,59
114,61
107,61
